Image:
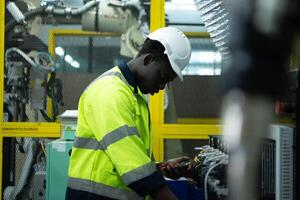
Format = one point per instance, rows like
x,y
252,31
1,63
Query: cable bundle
x,y
210,169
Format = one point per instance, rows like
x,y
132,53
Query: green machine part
x,y
58,154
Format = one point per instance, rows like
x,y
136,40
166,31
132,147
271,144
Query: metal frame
x,y
198,128
162,131
59,32
17,129
52,43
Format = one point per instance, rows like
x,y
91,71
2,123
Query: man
x,y
112,155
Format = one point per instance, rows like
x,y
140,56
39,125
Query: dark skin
x,y
152,73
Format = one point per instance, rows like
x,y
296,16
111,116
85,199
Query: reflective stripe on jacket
x,y
112,148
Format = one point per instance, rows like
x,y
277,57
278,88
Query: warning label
x,y
20,129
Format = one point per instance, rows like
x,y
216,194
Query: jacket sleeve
x,y
112,118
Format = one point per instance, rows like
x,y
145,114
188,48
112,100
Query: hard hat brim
x,y
175,68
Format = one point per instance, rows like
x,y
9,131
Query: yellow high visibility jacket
x,y
112,147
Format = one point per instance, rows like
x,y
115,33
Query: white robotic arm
x,y
118,16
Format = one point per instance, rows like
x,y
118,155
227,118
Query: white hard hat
x,y
177,45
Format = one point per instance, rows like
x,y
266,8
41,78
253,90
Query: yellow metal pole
x,y
2,31
1,164
157,20
51,46
157,14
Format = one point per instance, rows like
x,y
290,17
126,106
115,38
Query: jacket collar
x,y
128,75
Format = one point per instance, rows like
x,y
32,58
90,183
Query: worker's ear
x,y
148,59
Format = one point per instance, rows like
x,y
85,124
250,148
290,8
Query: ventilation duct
x,y
216,21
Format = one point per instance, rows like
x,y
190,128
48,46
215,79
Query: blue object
x,y
185,190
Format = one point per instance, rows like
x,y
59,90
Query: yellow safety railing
x,y
160,130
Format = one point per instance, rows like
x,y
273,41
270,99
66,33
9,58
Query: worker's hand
x,y
177,167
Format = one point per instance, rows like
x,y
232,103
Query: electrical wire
x,y
51,85
222,162
43,148
28,15
46,117
54,90
52,11
21,53
215,158
46,58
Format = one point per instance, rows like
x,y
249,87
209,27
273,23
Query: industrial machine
x,y
259,37
58,154
276,166
210,167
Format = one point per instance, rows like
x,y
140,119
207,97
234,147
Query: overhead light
x,y
75,64
205,57
185,1
59,51
186,7
207,71
181,5
68,58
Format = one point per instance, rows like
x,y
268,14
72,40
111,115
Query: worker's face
x,y
154,75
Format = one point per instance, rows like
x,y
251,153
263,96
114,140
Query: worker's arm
x,y
177,167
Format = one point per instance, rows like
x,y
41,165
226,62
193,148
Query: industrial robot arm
x,y
119,16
